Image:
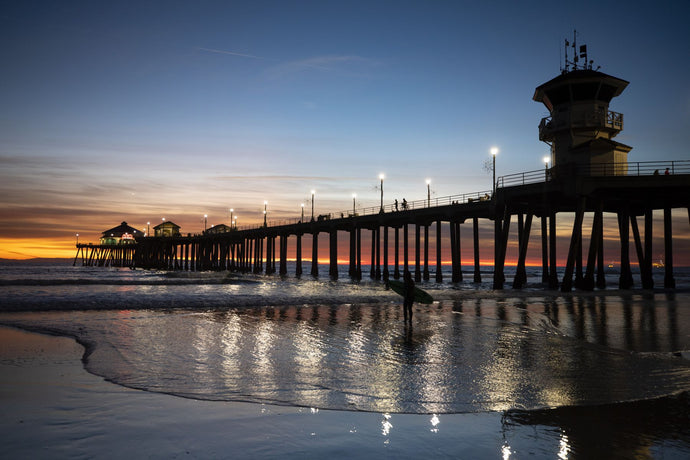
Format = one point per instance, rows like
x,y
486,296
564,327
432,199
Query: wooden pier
x,y
519,198
106,255
589,174
593,191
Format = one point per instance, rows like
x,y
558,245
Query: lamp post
x,y
428,193
148,228
313,192
494,152
302,218
265,212
231,211
77,239
546,168
235,222
381,176
205,219
354,206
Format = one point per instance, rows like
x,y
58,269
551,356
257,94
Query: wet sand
x,y
53,408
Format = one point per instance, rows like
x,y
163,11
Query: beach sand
x,y
53,408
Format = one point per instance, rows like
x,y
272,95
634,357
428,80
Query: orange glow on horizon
x,y
467,264
31,248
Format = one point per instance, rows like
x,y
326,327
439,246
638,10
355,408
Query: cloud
x,y
231,53
342,65
325,62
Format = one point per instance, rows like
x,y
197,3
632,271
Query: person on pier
x,y
408,298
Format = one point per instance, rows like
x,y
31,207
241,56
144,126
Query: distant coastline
x,y
57,260
36,260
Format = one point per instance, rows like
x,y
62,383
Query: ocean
x,y
602,374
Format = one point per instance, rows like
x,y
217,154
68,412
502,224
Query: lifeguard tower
x,y
580,128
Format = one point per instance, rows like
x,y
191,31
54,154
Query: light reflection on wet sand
x,y
642,429
465,355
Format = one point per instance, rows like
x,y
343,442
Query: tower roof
x,y
579,85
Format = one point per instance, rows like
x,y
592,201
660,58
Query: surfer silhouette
x,y
409,295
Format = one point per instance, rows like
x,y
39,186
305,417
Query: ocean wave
x,y
174,281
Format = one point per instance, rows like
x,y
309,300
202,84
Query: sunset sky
x,y
136,111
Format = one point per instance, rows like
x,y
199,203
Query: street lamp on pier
x,y
77,239
265,213
428,193
313,192
494,152
205,219
354,205
148,228
302,218
231,211
546,168
381,176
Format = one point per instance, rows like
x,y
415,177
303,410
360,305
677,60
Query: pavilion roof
x,y
122,229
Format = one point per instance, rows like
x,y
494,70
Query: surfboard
x,y
420,295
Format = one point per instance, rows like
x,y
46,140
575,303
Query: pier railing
x,y
640,168
419,204
600,119
643,168
387,208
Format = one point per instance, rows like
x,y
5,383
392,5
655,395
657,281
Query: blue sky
x,y
135,111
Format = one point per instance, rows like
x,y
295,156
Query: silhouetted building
x,y
167,228
220,228
122,234
580,128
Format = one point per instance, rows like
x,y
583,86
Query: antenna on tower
x,y
574,49
583,55
566,68
578,54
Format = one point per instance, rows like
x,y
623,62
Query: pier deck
x,y
541,194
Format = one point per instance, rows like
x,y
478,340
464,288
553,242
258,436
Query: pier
x,y
105,255
589,175
519,199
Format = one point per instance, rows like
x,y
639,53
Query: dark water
x,y
597,375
